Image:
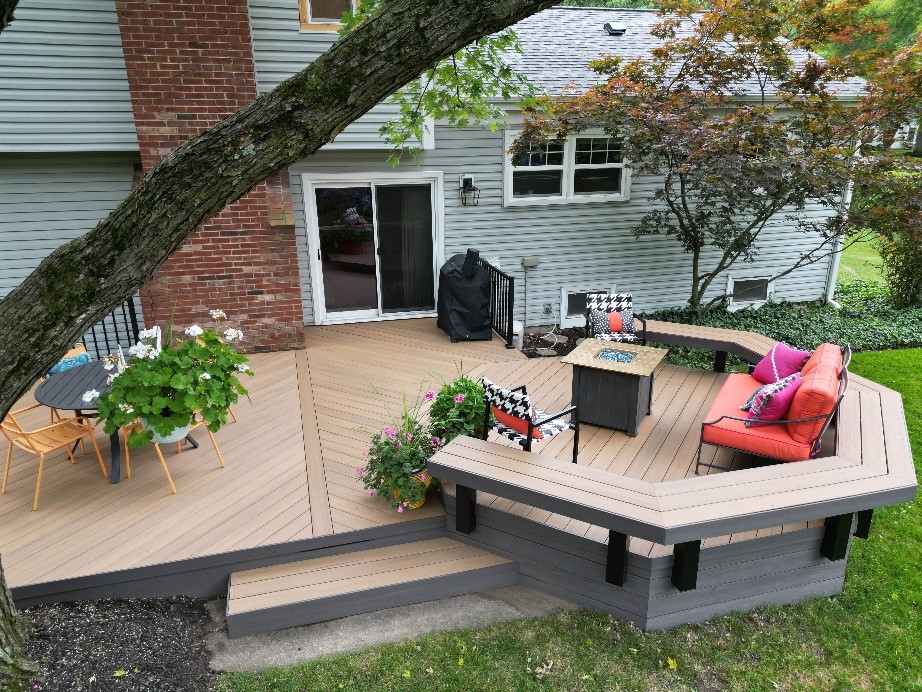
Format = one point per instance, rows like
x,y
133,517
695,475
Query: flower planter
x,y
418,476
175,436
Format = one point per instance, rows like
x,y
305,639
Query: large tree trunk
x,y
15,669
81,281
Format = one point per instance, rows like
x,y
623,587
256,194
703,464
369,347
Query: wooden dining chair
x,y
166,470
75,357
43,441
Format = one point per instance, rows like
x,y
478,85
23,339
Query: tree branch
x,y
83,280
6,12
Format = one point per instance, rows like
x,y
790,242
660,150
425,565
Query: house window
x,y
584,168
324,15
749,292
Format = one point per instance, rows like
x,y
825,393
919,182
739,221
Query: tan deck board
x,y
291,459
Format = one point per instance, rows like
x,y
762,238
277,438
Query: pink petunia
x,y
422,476
409,436
358,470
400,509
430,395
370,493
459,398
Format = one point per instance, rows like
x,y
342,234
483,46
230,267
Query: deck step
x,y
323,588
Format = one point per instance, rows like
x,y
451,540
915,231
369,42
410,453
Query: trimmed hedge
x,y
867,321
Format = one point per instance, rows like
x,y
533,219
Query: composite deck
x,y
290,489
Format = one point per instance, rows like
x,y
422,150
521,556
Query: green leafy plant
x,y
457,409
395,464
167,386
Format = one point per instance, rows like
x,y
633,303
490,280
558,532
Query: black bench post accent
x,y
835,538
465,509
863,528
616,567
685,565
720,361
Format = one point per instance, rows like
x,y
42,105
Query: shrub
x,y
867,321
457,409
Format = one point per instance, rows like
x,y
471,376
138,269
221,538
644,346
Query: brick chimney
x,y
190,64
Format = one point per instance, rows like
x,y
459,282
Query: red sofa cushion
x,y
768,440
824,353
816,396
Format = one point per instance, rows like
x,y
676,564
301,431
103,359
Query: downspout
x,y
837,257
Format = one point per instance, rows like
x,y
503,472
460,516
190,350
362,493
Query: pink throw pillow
x,y
780,362
773,400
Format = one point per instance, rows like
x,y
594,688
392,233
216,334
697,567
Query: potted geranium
x,y
457,409
395,464
164,387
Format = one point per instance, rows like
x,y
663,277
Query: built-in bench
x,y
678,513
579,492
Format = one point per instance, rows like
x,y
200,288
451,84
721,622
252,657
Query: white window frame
x,y
308,23
734,304
579,320
567,195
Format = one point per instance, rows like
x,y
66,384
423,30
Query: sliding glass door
x,y
374,249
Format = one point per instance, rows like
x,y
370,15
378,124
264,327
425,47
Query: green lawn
x,y
860,261
869,637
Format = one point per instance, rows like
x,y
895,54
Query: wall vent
x,y
746,292
573,304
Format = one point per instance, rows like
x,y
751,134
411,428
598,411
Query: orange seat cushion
x,y
824,353
816,396
768,440
517,424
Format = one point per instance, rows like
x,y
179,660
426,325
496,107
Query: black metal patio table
x,y
65,391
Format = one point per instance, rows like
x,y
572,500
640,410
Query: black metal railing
x,y
119,328
502,301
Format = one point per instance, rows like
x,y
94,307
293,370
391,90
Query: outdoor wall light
x,y
470,194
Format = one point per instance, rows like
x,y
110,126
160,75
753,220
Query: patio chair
x,y
600,326
516,419
159,452
43,441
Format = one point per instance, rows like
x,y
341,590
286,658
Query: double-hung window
x,y
583,168
324,15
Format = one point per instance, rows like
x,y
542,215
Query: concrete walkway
x,y
300,644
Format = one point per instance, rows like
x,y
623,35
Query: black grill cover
x,y
464,298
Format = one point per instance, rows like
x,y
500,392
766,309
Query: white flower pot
x,y
175,436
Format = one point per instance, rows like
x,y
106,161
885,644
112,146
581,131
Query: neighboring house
x,y
93,92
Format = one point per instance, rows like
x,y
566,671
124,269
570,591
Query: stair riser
x,y
431,589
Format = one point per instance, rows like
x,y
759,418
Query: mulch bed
x,y
559,344
138,645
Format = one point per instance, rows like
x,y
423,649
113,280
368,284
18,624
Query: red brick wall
x,y
190,64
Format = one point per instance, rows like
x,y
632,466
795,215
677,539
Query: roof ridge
x,y
603,9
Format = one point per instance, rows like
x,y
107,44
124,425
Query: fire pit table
x,y
613,382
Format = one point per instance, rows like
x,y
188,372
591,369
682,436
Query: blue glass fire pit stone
x,y
615,356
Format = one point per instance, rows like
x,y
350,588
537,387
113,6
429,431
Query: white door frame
x,y
310,181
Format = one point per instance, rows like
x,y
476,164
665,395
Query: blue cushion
x,y
68,363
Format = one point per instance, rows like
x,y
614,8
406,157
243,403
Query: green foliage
x,y
735,135
457,409
167,387
463,89
891,206
867,321
397,453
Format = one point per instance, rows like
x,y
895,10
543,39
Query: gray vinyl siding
x,y
47,200
576,244
63,83
281,49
